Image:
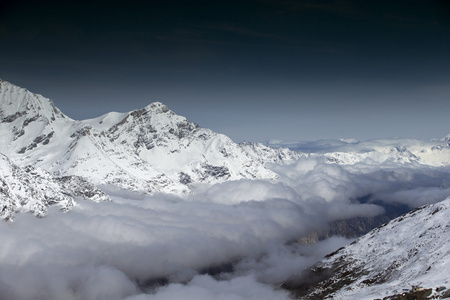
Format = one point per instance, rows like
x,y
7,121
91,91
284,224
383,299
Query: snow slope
x,y
410,250
33,190
146,150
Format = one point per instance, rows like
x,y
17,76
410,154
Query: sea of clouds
x,y
235,240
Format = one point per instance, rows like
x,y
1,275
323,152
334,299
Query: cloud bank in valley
x,y
235,240
120,249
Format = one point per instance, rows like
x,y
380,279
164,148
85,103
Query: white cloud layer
x,y
160,246
204,287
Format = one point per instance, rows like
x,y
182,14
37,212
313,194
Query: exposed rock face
x,y
77,186
33,190
28,190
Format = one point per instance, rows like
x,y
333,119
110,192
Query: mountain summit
x,y
147,150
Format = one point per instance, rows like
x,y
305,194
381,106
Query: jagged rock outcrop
x,y
33,190
28,190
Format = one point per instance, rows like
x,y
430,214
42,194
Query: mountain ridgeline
x,y
153,150
146,150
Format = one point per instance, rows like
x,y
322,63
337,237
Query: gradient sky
x,y
253,70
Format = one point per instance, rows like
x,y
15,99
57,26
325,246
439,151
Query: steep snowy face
x,y
27,120
16,102
410,250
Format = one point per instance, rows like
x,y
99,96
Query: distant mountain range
x,y
378,151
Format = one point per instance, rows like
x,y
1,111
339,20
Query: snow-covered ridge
x,y
33,190
410,250
155,150
379,151
147,150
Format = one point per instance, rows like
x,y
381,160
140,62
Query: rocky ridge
x,y
33,190
409,250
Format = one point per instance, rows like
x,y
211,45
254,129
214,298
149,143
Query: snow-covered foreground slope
x,y
411,250
147,150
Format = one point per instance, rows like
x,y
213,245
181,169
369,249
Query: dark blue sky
x,y
254,70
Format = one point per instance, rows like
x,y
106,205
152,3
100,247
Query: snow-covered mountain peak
x,y
16,102
157,107
148,149
154,125
27,120
160,116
